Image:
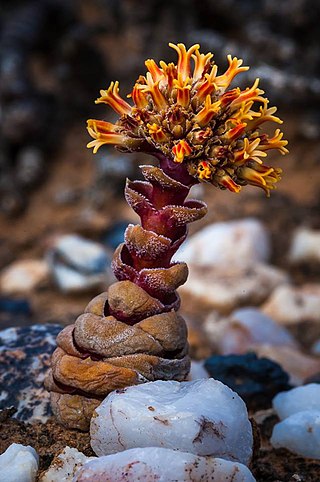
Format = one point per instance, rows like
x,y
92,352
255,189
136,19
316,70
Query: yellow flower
x,y
191,116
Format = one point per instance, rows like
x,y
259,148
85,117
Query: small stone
x,y
297,364
244,328
161,464
227,243
23,276
305,246
78,264
203,417
69,280
298,399
25,358
256,380
30,166
115,234
197,371
81,254
19,463
14,311
289,305
315,349
64,466
299,433
225,288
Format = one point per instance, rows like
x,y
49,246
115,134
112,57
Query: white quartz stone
x,y
81,253
233,242
197,371
299,433
246,327
19,463
78,264
224,288
204,417
161,465
23,275
305,246
290,305
65,465
297,400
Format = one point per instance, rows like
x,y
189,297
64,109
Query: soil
x,y
48,439
295,203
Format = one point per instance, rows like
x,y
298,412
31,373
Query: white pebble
x,y
19,463
289,305
299,433
305,246
244,328
235,242
65,465
297,400
197,371
161,465
224,288
81,253
23,276
78,264
203,417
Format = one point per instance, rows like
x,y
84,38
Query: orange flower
x,y
192,117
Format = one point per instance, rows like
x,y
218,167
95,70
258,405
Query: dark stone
x,y
14,312
15,306
256,380
25,359
115,234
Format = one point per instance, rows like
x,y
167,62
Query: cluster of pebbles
x,y
163,430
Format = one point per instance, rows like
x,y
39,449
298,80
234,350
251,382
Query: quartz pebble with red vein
x,y
203,417
162,465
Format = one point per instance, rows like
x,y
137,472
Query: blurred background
x,y
55,55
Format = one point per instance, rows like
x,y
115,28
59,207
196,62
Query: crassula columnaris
x,y
200,130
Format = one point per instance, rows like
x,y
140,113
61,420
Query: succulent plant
x,y
198,130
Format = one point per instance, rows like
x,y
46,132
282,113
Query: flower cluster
x,y
192,117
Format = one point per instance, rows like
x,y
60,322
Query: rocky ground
x,y
81,197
